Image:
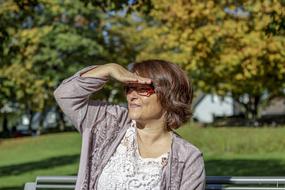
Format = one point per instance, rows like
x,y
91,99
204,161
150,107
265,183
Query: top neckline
x,y
159,158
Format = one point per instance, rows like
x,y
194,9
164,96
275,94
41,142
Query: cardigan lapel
x,y
172,173
112,148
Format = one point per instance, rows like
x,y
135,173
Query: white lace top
x,y
126,169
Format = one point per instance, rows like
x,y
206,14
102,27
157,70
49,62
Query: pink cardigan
x,y
102,127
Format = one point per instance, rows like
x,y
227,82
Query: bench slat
x,y
213,183
245,180
221,187
252,188
56,179
49,186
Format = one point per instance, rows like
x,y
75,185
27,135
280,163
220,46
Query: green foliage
x,y
234,47
46,41
115,5
227,47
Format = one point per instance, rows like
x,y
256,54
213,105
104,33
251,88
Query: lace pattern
x,y
128,170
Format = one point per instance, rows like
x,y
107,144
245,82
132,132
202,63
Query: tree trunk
x,y
255,104
61,122
30,115
250,107
6,131
41,123
42,119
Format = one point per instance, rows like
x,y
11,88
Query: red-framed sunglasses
x,y
141,89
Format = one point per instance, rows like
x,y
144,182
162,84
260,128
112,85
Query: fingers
x,y
137,79
144,80
121,74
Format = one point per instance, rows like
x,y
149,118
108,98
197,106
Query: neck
x,y
152,131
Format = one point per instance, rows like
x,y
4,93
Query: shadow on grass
x,y
245,167
12,188
18,169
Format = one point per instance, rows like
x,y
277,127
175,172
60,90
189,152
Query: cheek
x,y
153,106
127,97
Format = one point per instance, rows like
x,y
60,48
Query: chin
x,y
134,116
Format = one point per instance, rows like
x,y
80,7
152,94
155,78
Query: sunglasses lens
x,y
141,90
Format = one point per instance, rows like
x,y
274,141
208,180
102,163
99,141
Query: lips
x,y
134,106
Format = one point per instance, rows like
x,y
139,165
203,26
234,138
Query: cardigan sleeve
x,y
72,96
194,176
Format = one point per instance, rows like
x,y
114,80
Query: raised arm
x,y
73,93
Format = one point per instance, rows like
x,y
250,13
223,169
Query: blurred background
x,y
233,51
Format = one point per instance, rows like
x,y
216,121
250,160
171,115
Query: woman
x,y
134,147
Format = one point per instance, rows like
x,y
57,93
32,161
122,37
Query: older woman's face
x,y
143,108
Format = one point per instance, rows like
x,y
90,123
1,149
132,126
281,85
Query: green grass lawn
x,y
227,151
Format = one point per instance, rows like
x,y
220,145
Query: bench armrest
x,y
30,186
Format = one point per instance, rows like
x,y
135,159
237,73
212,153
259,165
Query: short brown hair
x,y
172,86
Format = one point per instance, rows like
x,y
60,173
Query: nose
x,y
132,94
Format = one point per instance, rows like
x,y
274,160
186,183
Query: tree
x,y
43,42
227,47
129,6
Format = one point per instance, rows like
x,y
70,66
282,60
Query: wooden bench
x,y
213,183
